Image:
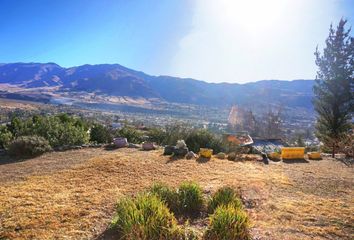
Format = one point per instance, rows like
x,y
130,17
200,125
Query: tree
x,y
334,87
100,134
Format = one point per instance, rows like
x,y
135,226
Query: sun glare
x,y
253,16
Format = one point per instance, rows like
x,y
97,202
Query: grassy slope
x,y
75,198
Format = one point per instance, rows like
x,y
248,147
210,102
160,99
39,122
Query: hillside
x,y
72,194
116,80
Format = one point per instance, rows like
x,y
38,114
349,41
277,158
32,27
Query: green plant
x,y
228,223
59,130
28,146
190,198
100,134
202,138
131,134
157,135
167,194
224,196
333,89
174,133
145,217
5,137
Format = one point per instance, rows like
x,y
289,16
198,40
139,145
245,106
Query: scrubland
x,y
72,194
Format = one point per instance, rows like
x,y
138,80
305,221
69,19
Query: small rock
x,y
191,155
147,146
221,155
120,142
181,144
169,150
180,152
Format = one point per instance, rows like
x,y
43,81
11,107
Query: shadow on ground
x,y
300,160
108,234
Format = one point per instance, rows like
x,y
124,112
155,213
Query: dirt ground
x,y
71,195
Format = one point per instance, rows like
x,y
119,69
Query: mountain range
x,y
117,80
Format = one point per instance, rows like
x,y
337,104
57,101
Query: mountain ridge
x,y
117,80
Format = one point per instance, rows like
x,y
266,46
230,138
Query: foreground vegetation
x,y
150,215
73,194
54,132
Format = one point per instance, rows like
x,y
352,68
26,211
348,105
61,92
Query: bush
x,y
190,198
224,196
59,130
201,138
131,134
167,194
228,222
194,138
157,135
5,137
100,134
175,132
28,146
145,217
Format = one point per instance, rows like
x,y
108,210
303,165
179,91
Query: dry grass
x,y
18,104
75,200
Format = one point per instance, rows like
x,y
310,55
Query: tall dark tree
x,y
334,88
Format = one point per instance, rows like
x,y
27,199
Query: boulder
x,y
120,142
169,150
221,155
180,152
147,146
181,144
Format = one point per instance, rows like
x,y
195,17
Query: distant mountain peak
x,y
117,80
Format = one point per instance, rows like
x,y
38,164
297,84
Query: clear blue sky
x,y
224,40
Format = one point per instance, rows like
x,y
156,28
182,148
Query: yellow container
x,y
206,152
314,155
292,152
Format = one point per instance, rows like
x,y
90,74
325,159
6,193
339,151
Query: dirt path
x,y
312,200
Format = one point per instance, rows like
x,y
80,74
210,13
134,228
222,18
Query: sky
x,y
212,40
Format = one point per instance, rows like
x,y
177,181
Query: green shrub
x,y
194,138
201,138
5,137
224,196
175,132
145,217
190,198
59,130
228,222
167,195
100,134
131,134
28,146
157,135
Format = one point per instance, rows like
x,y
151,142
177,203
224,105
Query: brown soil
x,y
71,195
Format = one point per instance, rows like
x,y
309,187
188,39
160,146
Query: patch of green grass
x,y
224,196
167,194
228,223
145,217
190,198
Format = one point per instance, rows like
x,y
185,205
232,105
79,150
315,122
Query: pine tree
x,y
334,87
